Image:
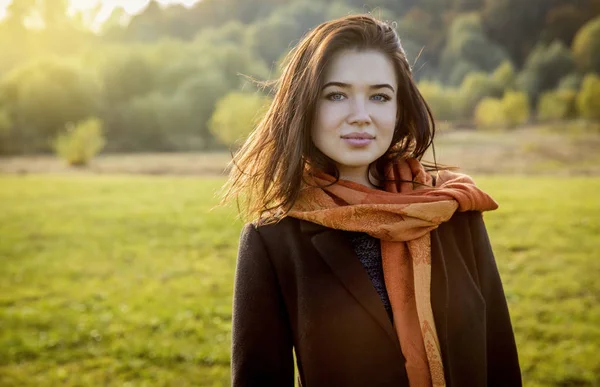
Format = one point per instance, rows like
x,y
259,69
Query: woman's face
x,y
356,110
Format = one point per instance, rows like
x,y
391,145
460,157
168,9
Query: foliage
x,y
586,47
42,96
544,68
489,113
468,47
557,105
176,62
588,99
516,25
516,108
477,86
5,123
571,81
444,102
513,109
236,115
563,21
80,143
505,75
5,128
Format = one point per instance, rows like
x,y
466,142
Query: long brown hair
x,y
267,171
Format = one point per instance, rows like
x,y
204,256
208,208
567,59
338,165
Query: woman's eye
x,y
381,97
335,96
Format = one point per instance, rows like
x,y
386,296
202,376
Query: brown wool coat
x,y
300,286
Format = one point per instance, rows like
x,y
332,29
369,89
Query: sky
x,y
130,6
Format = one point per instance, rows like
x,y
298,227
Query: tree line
x,y
180,79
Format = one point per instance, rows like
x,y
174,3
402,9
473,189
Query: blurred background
x,y
116,123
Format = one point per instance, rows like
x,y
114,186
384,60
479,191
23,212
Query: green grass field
x,y
127,280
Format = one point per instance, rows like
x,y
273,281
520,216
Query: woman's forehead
x,y
360,68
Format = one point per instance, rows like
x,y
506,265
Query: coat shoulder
x,y
283,226
280,234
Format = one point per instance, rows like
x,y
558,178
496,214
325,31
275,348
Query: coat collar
x,y
337,252
339,255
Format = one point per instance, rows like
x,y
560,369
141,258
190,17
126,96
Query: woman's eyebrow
x,y
347,86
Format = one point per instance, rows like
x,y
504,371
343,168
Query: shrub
x,y
588,99
513,109
444,102
81,142
516,108
557,105
489,113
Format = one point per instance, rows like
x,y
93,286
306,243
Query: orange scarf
x,y
402,217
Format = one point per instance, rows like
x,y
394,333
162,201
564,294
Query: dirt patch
x,y
140,163
558,149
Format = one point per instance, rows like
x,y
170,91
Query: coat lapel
x,y
337,252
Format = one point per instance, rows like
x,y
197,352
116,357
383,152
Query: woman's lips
x,y
358,139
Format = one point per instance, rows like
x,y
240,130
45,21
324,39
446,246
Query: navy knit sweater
x,y
368,250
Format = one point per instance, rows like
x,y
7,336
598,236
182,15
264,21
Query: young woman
x,y
373,268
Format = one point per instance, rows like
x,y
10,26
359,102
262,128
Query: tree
x,y
515,24
563,22
236,115
467,5
468,50
544,68
5,128
475,87
273,36
586,47
42,96
505,75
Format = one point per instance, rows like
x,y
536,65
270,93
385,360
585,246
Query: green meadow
x,y
119,280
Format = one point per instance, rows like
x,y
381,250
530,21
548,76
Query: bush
x,y
236,115
516,108
557,105
489,113
444,102
513,109
588,99
81,142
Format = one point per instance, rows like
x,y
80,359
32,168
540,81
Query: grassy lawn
x,y
127,280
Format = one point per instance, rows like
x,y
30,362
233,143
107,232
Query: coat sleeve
x,y
502,359
261,336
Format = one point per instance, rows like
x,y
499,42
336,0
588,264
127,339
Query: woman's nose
x,y
359,114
